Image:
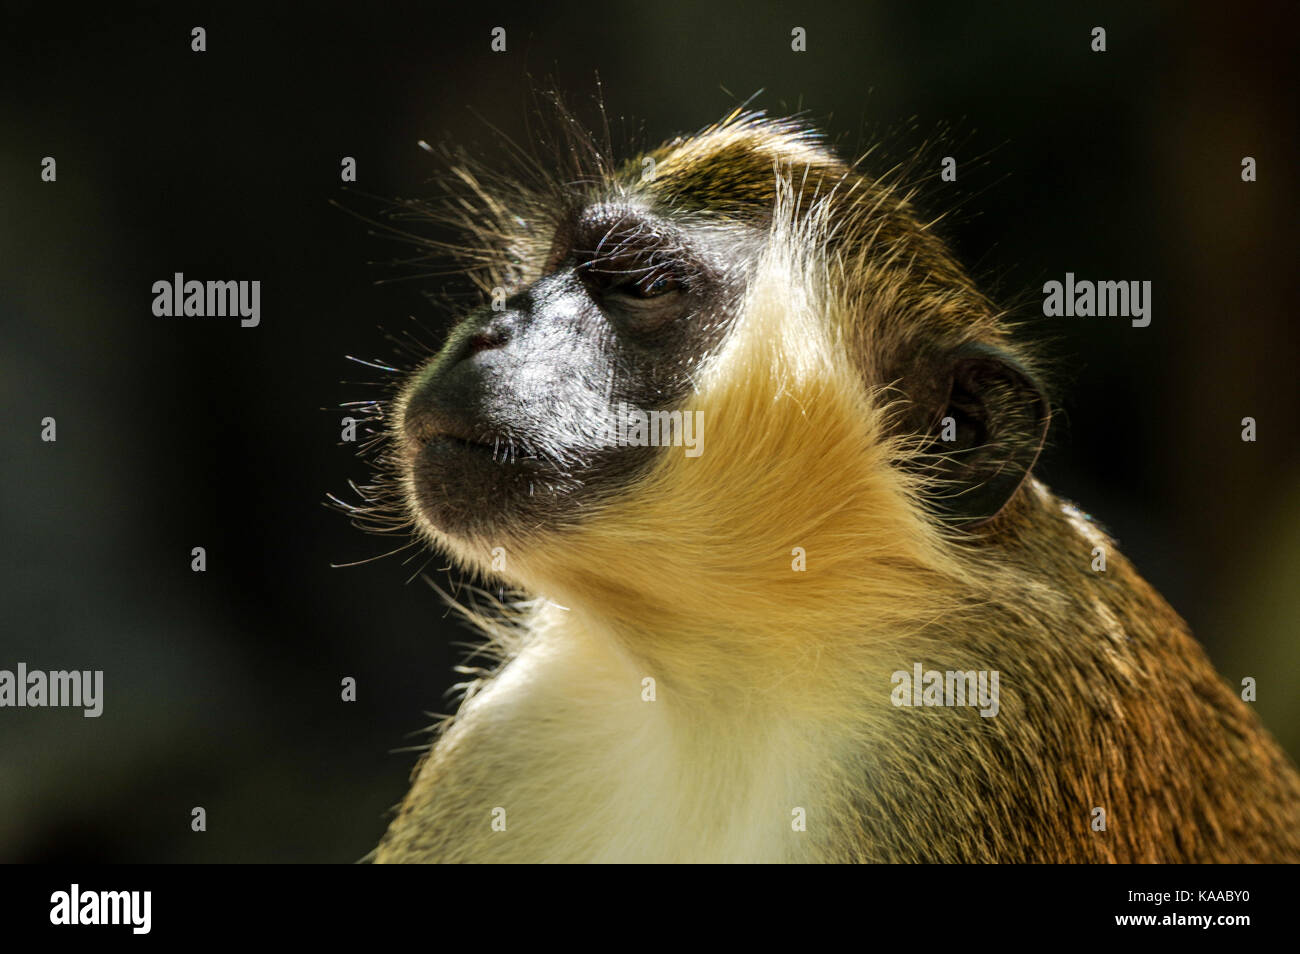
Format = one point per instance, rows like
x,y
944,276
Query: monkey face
x,y
753,275
518,425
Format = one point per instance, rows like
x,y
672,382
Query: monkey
x,y
703,663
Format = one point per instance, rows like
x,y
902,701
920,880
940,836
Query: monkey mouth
x,y
431,435
464,443
438,446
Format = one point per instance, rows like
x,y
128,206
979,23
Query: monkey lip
x,y
455,458
454,442
492,451
466,442
434,432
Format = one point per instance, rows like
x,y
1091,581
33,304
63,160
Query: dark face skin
x,y
503,429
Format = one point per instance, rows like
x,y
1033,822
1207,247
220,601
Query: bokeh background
x,y
222,689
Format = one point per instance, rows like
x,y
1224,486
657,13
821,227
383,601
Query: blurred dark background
x,y
222,689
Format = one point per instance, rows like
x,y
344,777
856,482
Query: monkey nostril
x,y
484,340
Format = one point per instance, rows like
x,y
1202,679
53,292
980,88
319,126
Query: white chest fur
x,y
562,757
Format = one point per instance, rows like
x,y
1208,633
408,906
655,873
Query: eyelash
x,y
643,283
656,285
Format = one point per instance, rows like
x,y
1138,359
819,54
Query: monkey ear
x,y
985,419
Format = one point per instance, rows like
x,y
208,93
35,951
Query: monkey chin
x,y
468,491
470,498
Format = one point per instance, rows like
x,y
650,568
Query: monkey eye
x,y
655,285
632,282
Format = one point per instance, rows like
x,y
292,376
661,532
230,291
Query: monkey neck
x,y
730,613
1096,671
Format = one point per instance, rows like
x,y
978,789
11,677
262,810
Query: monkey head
x,y
842,366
